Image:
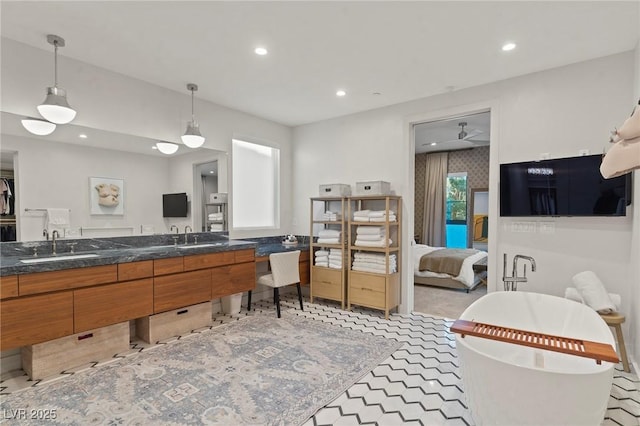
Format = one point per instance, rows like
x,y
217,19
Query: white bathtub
x,y
507,384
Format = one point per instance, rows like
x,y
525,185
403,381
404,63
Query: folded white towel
x,y
370,237
362,213
382,219
328,241
322,263
335,265
361,218
58,217
593,292
377,213
572,293
379,243
370,230
329,233
322,253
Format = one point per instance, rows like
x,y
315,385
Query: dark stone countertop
x,y
109,251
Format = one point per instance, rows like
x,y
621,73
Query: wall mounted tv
x,y
174,205
562,187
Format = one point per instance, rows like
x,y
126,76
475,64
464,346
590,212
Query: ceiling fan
x,y
465,139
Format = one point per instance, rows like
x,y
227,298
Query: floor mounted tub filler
x,y
509,384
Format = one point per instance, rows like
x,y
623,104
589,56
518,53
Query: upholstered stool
x,y
614,320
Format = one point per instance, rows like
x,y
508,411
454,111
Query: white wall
x,y
558,111
634,267
110,101
53,174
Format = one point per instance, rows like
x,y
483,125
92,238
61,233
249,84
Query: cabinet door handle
x,y
85,336
184,311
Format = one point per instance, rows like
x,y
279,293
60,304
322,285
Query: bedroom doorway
x,y
464,140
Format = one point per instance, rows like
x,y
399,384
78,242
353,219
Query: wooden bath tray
x,y
584,348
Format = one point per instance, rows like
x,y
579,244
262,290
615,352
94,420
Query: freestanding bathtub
x,y
508,384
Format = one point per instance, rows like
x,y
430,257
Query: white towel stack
x,y
335,258
371,236
329,236
216,216
322,258
330,216
217,227
374,216
361,216
373,262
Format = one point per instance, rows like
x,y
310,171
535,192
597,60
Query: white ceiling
x,y
445,133
402,50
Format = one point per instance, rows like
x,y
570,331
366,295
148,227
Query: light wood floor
x,y
444,302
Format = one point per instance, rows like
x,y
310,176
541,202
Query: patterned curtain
x,y
435,200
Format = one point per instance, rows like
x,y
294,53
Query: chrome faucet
x,y
173,226
186,235
45,233
54,235
511,283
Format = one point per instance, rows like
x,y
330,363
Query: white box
x,y
335,190
174,323
375,187
218,197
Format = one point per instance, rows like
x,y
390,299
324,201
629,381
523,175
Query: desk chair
x,y
284,271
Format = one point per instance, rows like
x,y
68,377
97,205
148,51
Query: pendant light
x,y
167,147
192,137
38,126
55,107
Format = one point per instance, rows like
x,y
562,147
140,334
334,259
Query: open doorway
x,y
459,146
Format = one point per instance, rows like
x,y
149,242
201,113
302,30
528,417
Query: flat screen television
x,y
562,187
174,205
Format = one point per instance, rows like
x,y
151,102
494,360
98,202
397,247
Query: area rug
x,y
261,370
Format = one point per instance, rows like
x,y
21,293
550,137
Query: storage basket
x,y
375,187
335,190
218,197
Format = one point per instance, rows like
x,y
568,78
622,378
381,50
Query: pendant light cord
x,y
192,114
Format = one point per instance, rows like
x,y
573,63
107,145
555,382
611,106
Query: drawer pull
x,y
85,336
184,311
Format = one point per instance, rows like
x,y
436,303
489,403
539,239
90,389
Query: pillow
x,y
630,129
593,292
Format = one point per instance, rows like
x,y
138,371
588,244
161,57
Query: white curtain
x,y
435,200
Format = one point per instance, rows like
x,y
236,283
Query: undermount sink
x,y
58,258
200,245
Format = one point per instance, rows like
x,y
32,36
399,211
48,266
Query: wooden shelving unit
x,y
327,282
377,290
216,208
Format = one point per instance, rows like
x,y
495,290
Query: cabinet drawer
x,y
135,270
8,286
326,275
327,290
41,282
363,280
176,291
242,256
367,297
172,265
226,280
35,319
209,260
109,304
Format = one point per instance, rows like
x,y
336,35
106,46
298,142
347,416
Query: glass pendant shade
x,y
167,147
55,107
192,137
37,126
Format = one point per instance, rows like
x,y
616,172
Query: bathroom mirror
x,y
54,172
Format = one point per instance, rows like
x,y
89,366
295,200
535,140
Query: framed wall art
x,y
106,196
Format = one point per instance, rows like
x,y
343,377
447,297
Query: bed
x,y
473,269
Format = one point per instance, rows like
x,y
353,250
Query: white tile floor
x,y
418,385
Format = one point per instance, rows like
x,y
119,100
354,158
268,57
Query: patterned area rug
x,y
259,370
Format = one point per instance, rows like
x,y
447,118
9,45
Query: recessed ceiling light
x,y
211,171
82,136
154,147
341,93
260,51
433,144
508,46
376,93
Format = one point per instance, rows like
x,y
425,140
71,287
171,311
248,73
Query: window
x,y
256,177
457,210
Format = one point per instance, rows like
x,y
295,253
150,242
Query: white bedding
x,y
466,272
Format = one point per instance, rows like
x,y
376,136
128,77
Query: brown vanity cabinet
x,y
113,303
178,290
8,286
35,319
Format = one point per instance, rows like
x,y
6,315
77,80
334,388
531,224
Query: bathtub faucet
x,y
511,283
